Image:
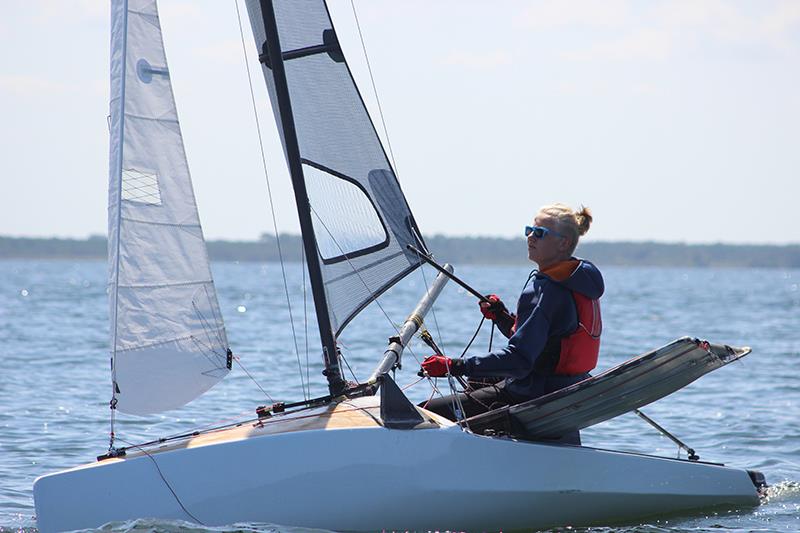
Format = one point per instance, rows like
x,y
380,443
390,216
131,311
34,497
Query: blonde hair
x,y
572,224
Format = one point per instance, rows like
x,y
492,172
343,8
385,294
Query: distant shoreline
x,y
456,250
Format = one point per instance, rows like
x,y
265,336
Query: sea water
x,y
55,384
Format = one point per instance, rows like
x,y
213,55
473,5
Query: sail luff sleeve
x,y
119,24
168,340
360,217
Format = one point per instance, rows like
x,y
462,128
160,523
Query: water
x,y
54,386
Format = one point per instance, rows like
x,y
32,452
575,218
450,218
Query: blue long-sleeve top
x,y
546,309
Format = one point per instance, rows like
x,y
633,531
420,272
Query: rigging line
x,y
374,88
365,410
341,354
164,479
238,362
412,384
433,304
458,408
209,428
306,393
434,390
480,325
360,277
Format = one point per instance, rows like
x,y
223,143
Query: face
x,y
549,249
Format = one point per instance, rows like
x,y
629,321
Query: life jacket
x,y
580,349
577,352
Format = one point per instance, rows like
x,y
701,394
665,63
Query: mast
x,y
332,372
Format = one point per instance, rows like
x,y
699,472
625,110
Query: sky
x,y
673,121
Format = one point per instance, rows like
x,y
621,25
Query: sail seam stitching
x,y
142,13
164,285
154,119
365,267
153,223
160,343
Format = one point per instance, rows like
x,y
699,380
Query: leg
x,y
473,403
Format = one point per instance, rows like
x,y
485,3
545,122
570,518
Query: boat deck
x,y
363,412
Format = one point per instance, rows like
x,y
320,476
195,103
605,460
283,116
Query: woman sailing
x,y
554,337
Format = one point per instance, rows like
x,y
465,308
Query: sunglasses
x,y
540,232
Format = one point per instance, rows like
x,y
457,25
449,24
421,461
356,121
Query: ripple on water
x,y
54,385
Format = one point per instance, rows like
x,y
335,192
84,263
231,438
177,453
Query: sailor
x,y
554,338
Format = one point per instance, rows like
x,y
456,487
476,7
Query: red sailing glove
x,y
496,311
494,308
436,366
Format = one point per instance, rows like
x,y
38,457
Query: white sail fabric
x,y
168,341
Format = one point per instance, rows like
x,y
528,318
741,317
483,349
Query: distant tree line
x,y
456,250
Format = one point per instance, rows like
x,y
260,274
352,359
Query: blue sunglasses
x,y
540,232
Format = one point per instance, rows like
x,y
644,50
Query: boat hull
x,y
386,479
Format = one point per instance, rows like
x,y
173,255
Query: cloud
x,y
478,60
20,84
67,12
620,30
183,11
27,85
782,27
228,52
553,14
644,44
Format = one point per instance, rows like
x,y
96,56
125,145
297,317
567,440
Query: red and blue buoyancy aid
x,y
545,326
579,351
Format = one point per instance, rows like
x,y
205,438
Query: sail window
x,y
140,186
346,223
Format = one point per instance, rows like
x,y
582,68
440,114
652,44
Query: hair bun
x,y
584,219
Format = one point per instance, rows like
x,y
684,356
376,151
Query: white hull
x,y
386,479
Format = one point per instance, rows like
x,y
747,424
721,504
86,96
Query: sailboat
x,y
362,457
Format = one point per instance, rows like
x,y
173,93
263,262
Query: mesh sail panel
x,y
167,336
361,219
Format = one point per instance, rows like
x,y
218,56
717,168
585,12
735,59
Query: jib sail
x,y
168,341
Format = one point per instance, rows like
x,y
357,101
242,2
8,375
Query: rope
x,y
374,88
360,277
467,347
341,354
306,393
239,362
412,384
388,144
164,479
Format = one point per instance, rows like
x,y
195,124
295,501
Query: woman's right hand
x,y
493,308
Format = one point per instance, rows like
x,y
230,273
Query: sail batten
x,y
362,223
168,341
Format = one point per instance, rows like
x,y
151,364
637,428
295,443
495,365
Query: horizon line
x,y
439,235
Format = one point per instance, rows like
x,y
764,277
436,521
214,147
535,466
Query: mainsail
x,y
361,223
168,341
